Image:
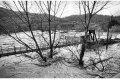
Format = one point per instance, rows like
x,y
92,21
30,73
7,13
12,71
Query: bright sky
x,y
112,9
72,9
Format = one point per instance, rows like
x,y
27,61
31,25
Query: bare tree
x,y
51,8
46,8
90,8
26,20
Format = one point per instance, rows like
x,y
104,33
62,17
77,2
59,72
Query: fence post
x,y
1,50
14,49
26,48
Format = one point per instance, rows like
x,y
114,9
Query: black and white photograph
x,y
59,39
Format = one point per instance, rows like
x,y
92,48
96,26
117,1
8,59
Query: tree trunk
x,y
81,62
51,52
50,38
107,38
84,38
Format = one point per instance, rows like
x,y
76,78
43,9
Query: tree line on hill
x,y
64,23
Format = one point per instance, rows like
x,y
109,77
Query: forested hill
x,y
10,19
100,20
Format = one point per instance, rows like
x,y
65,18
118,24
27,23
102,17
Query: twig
x,y
99,61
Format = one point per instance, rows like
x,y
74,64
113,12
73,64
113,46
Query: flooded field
x,y
7,42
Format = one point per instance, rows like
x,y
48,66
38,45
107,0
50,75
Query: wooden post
x,y
14,49
26,48
20,48
1,50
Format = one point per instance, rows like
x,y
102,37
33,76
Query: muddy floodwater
x,y
12,66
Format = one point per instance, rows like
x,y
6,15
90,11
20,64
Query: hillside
x,y
10,19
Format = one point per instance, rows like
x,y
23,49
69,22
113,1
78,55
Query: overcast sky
x,y
72,9
111,9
